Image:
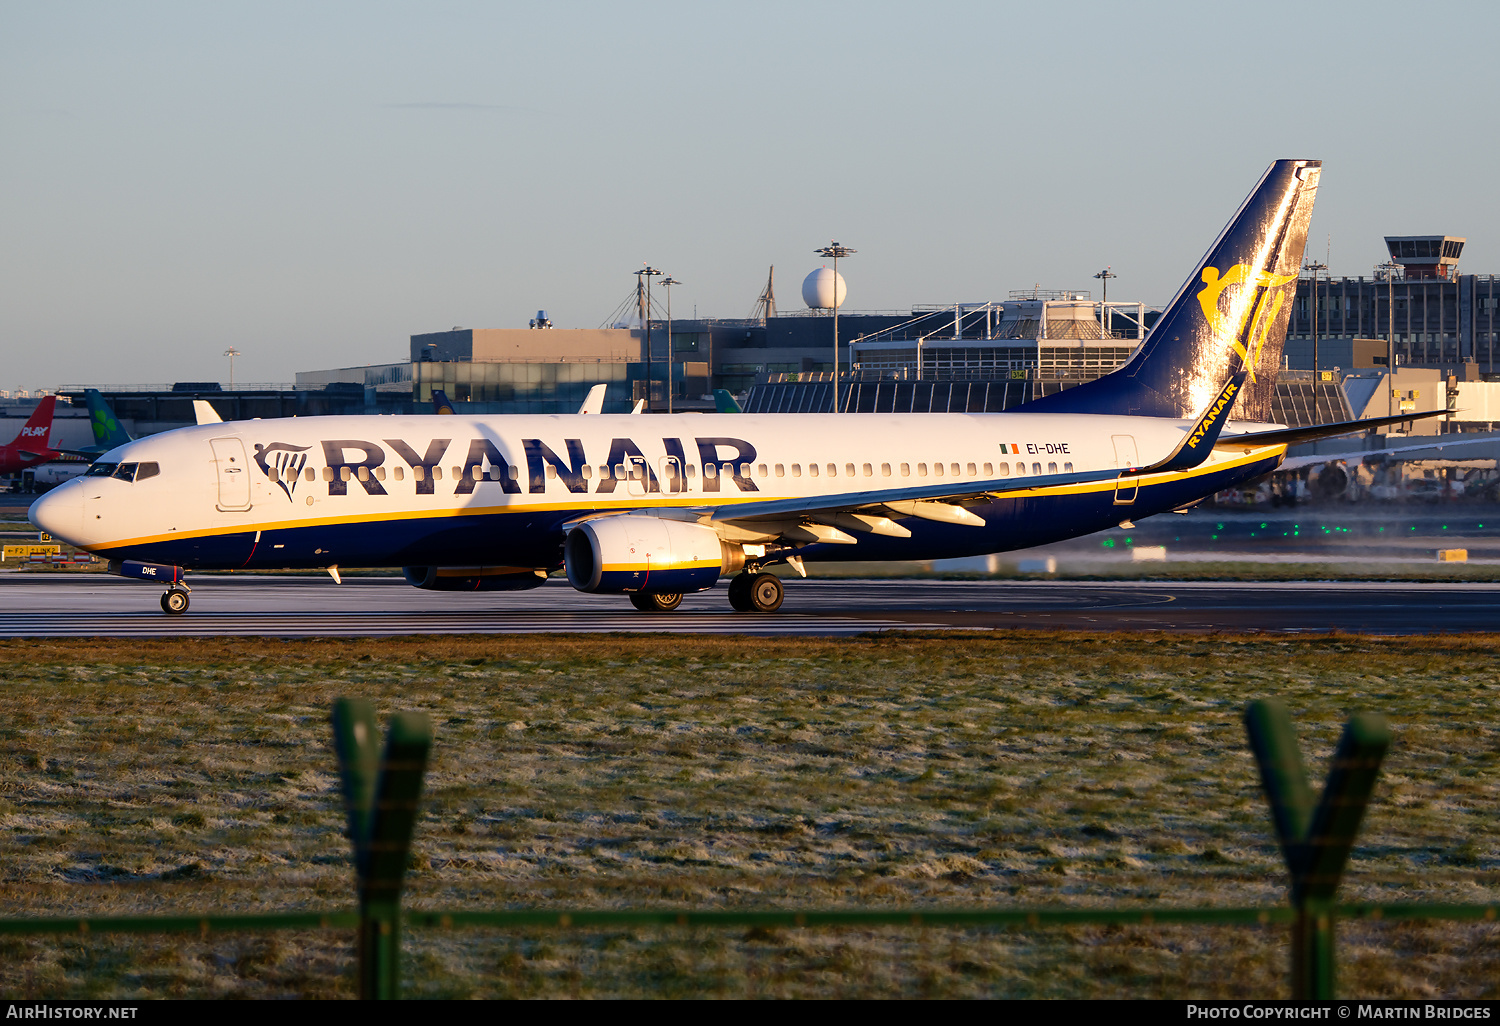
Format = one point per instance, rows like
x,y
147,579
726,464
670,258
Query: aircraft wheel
x,y
739,593
174,601
656,601
766,593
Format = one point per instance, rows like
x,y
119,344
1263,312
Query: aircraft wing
x,y
863,510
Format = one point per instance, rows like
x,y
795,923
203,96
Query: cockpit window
x,y
125,472
101,469
147,470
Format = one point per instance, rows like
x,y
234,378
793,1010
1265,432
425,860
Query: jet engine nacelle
x,y
474,578
649,554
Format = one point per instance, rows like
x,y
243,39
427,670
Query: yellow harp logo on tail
x,y
1232,324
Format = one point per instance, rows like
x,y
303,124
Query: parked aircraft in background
x,y
30,448
108,434
652,507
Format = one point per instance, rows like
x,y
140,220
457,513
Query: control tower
x,y
1426,256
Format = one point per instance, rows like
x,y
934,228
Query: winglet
x,y
205,413
724,402
594,401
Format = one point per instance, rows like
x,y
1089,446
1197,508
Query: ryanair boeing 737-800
x,y
652,507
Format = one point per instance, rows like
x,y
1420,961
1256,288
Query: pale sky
x,y
313,183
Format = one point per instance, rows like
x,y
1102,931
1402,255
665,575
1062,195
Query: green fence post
x,y
382,814
1315,842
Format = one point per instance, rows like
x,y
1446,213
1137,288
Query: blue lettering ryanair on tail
x,y
1230,316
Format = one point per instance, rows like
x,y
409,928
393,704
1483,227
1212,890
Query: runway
x,y
94,605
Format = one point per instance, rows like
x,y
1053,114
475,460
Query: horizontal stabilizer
x,y
1294,436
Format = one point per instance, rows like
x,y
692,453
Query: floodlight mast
x,y
1314,268
1104,276
646,273
1390,267
231,352
834,251
667,284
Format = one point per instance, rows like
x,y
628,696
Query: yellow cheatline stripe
x,y
625,568
588,503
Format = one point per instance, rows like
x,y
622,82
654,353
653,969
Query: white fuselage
x,y
460,490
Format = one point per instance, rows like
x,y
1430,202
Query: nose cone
x,y
60,512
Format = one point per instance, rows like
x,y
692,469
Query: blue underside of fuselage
x,y
535,538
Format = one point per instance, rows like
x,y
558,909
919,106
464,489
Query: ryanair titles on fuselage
x,y
355,461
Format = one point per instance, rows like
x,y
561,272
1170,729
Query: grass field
x,y
911,769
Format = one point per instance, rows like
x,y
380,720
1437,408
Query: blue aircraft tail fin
x,y
107,430
1229,317
440,403
724,402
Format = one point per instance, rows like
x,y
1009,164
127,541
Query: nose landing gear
x,y
756,593
175,600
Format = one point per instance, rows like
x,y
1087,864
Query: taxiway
x,y
93,605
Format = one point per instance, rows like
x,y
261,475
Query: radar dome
x,y
823,289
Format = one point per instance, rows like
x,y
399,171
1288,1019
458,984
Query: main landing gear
x,y
756,592
175,600
656,601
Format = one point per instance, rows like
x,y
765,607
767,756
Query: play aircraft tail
x,y
1229,318
38,428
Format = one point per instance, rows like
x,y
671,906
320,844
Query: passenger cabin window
x,y
327,473
955,469
708,470
906,470
1067,468
921,470
551,473
973,472
1036,468
1020,470
812,470
885,470
147,470
1004,469
848,470
399,473
418,473
1052,468
868,471
937,470
364,473
780,470
380,473
833,470
437,473
760,471
101,470
989,469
